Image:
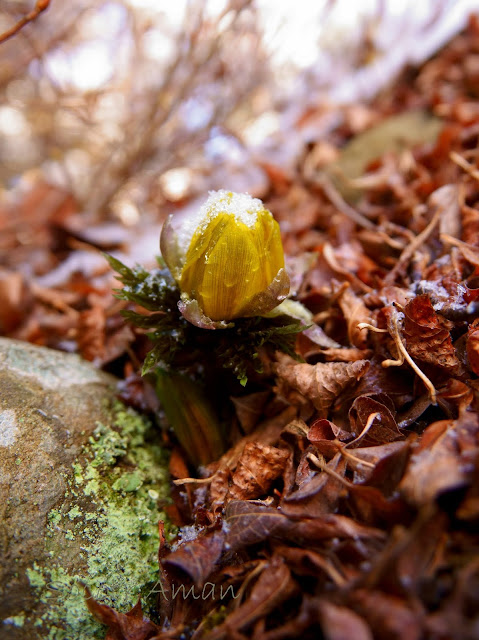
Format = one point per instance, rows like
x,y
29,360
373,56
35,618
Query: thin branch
x,y
369,423
341,205
39,8
320,464
464,164
411,248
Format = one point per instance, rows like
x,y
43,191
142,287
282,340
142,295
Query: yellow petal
x,y
229,262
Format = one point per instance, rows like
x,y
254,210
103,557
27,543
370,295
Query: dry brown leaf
x,y
274,586
340,623
447,197
249,408
383,428
355,311
122,626
427,336
439,465
473,346
317,496
197,558
259,466
321,383
389,616
91,333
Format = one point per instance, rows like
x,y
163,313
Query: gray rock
x,y
80,482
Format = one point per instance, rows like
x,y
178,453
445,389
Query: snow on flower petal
x,y
229,260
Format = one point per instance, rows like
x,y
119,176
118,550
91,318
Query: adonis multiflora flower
x,y
227,260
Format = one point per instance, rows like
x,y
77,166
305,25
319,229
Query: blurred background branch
x,y
133,104
39,7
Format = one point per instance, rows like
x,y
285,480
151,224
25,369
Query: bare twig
x,y
411,248
40,7
464,164
341,205
369,423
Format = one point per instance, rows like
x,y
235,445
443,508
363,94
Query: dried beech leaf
x,y
389,616
389,462
257,469
447,197
345,354
197,558
340,623
321,383
318,496
122,626
252,522
219,487
384,427
427,339
323,433
355,311
249,409
274,586
439,464
473,346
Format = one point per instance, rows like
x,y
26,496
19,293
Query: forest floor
x,y
348,503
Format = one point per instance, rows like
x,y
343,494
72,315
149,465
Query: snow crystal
x,y
242,206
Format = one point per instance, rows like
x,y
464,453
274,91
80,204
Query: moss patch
x,y
113,498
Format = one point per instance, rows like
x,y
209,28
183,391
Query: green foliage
x,y
179,344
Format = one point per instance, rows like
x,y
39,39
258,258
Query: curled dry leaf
x,y
321,383
382,429
442,462
323,435
317,496
355,311
259,466
427,337
340,623
249,408
447,197
252,522
122,626
275,585
473,346
346,354
389,616
197,558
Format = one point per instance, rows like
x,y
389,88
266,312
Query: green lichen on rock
x,y
114,492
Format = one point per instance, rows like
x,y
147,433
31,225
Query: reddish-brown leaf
x,y
340,623
249,409
317,496
275,585
197,558
252,522
383,428
122,626
389,616
355,311
259,466
427,336
473,346
439,465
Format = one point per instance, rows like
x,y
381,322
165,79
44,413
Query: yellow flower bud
x,y
228,260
